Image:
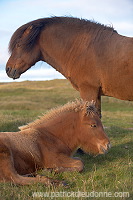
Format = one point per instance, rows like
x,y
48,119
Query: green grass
x,y
23,102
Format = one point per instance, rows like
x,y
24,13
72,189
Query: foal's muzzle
x,y
105,149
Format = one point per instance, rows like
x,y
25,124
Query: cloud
x,y
33,74
124,28
4,40
3,55
5,33
32,9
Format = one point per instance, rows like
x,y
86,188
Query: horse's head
x,y
23,54
92,136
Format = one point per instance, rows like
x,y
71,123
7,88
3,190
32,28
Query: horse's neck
x,y
58,51
64,127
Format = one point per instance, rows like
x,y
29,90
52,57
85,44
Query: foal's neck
x,y
65,128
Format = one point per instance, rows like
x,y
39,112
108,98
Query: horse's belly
x,y
121,88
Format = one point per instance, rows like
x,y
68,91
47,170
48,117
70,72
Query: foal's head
x,y
91,135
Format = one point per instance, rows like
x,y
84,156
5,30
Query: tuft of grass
x,y
23,102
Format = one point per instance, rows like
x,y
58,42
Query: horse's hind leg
x,y
7,171
27,180
9,174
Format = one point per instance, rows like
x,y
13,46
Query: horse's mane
x,y
75,106
37,25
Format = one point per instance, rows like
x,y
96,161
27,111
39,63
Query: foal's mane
x,y
37,26
75,106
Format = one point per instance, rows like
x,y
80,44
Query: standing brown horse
x,y
95,58
50,141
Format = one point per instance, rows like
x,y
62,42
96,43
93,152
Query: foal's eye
x,y
93,125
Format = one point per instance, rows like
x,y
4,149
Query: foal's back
x,y
23,147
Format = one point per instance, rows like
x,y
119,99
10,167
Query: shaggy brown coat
x,y
95,58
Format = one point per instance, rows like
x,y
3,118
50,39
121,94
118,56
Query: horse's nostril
x,y
14,72
7,69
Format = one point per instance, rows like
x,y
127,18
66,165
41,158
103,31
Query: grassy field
x,y
110,174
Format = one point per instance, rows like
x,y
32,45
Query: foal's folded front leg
x,y
69,164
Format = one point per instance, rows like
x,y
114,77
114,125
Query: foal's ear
x,y
90,108
28,30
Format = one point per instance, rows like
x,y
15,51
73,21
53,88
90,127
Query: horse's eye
x,y
93,125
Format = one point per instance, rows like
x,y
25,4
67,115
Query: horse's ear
x,y
28,30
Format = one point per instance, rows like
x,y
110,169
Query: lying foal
x,y
49,142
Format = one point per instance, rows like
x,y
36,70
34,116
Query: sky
x,y
14,13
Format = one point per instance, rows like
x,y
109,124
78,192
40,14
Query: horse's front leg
x,y
69,164
89,93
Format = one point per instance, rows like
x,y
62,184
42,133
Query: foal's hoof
x,y
59,183
64,184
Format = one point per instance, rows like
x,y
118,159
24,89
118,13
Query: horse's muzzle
x,y
12,73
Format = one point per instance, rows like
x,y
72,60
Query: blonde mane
x,y
75,106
